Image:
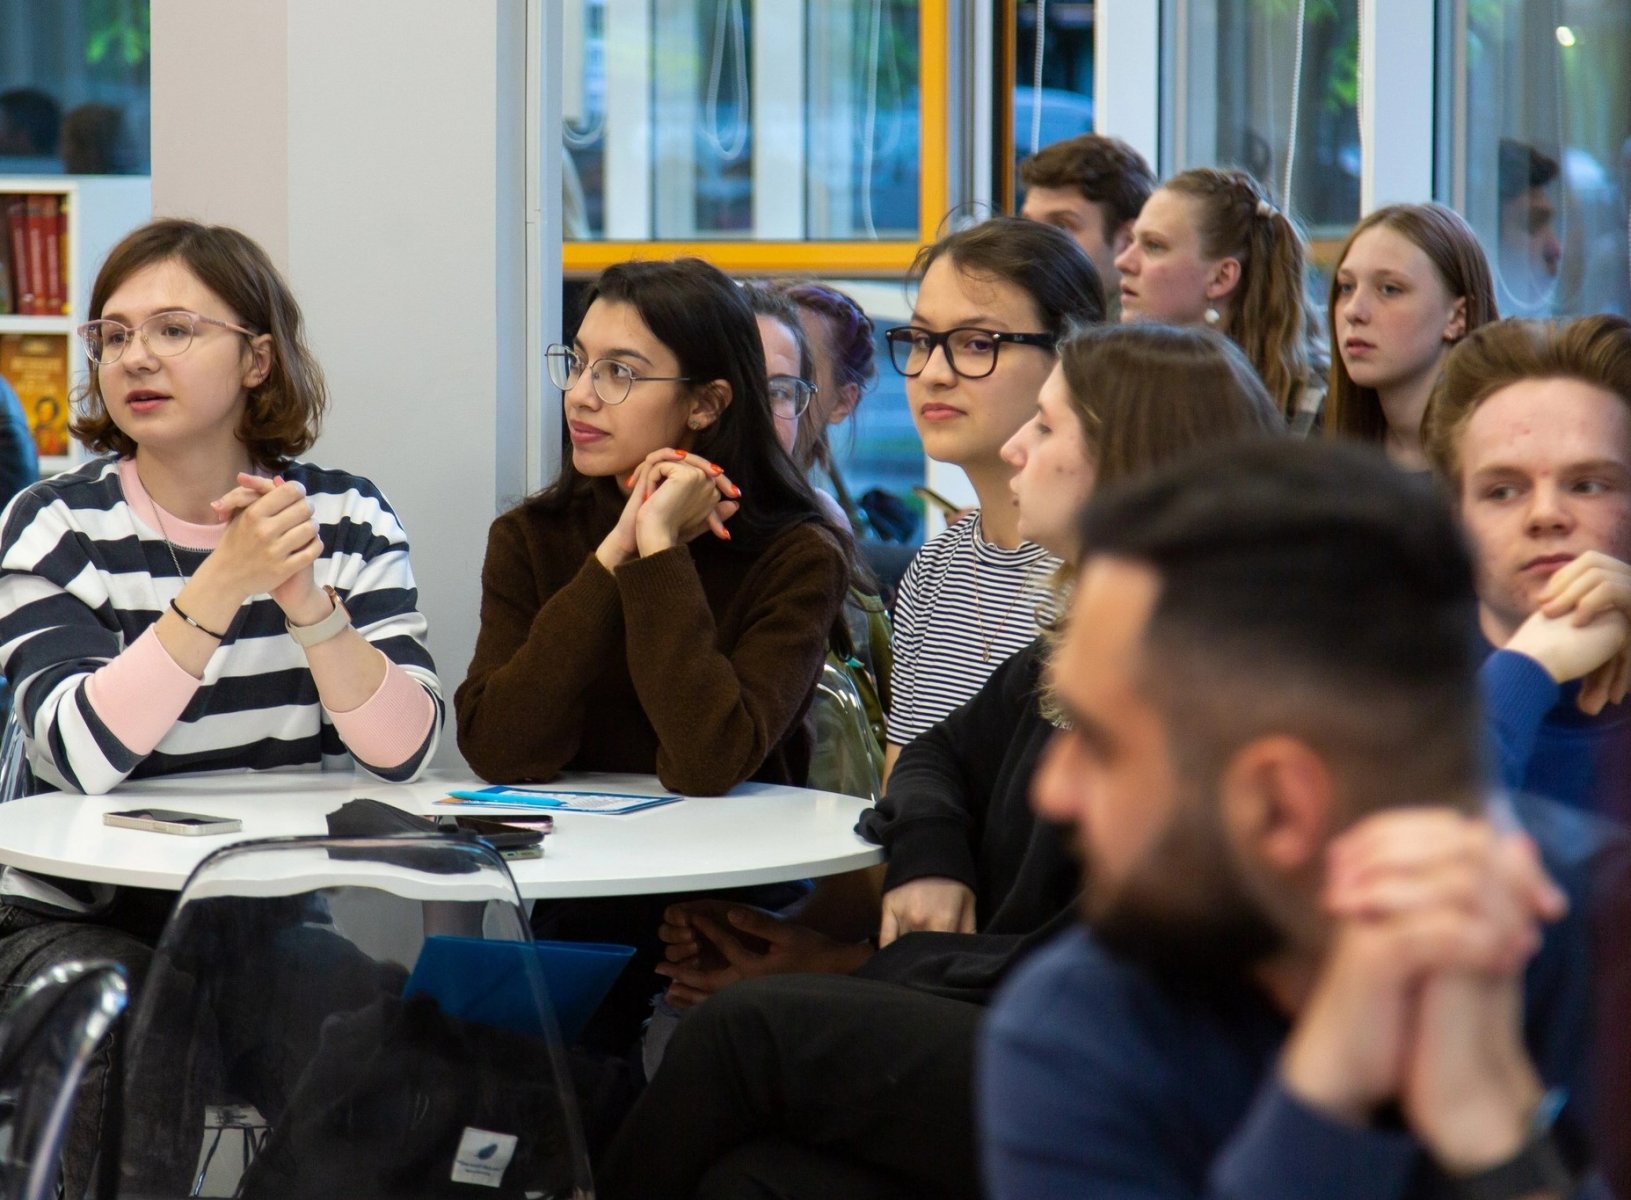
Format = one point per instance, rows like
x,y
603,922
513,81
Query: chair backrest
x,y
320,991
845,756
46,1040
15,778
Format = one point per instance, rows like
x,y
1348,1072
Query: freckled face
x,y
1545,476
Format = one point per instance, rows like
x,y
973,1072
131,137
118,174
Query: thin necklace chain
x,y
989,639
165,534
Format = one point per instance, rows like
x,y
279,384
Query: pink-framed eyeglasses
x,y
166,335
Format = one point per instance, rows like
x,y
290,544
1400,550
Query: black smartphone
x,y
511,841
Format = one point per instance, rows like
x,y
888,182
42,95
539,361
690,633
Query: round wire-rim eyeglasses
x,y
606,375
165,334
790,396
911,348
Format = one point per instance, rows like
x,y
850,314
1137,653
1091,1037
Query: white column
x,y
778,119
1127,74
377,149
627,141
1396,102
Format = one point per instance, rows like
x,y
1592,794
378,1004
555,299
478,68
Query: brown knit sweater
x,y
697,664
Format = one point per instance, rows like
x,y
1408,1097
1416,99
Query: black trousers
x,y
806,1087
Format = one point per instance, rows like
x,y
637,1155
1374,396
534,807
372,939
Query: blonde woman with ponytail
x,y
1210,248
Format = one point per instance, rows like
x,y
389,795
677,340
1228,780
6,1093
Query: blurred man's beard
x,y
1184,912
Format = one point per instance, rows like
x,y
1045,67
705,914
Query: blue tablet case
x,y
487,981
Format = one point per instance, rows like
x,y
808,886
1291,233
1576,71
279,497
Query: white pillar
x,y
1127,74
377,149
1396,102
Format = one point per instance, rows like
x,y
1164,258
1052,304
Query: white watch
x,y
311,635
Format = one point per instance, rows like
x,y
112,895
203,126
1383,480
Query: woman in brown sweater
x,y
665,606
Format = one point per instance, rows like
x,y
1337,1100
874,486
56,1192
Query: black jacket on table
x,y
958,806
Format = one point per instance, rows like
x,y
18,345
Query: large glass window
x,y
74,87
743,120
1269,86
1535,146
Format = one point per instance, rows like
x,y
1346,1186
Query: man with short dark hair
x,y
1092,187
1303,972
1530,427
1529,253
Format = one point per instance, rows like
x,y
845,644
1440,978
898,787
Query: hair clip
x,y
1265,209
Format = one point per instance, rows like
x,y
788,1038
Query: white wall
x,y
376,148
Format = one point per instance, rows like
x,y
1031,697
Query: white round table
x,y
759,833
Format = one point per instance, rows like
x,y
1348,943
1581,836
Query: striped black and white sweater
x,y
964,607
82,576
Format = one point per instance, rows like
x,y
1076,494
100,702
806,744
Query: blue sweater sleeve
x,y
1088,1084
1284,1150
1517,693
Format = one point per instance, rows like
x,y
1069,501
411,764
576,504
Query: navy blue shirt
x,y
1097,1080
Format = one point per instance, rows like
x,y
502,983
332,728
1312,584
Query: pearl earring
x,y
1212,315
694,423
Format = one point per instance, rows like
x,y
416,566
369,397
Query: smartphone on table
x,y
170,820
512,841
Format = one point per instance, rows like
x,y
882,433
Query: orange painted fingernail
x,y
715,469
629,482
736,492
724,533
679,454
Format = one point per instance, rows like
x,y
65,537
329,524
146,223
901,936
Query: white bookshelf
x,y
101,210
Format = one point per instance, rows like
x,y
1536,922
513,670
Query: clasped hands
x,y
269,546
1582,629
675,496
1433,916
710,944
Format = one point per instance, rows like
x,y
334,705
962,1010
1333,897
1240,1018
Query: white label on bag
x,y
483,1157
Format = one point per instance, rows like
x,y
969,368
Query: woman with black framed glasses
x,y
665,605
992,303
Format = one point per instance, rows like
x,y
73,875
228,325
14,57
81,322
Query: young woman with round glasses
x,y
195,599
839,334
665,605
992,302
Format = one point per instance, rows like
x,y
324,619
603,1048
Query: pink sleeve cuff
x,y
390,726
141,693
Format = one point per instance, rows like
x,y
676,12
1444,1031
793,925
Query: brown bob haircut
x,y
285,410
1453,249
1105,170
1594,350
1147,394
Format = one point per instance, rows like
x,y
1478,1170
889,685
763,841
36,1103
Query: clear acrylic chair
x,y
15,779
46,1041
358,1017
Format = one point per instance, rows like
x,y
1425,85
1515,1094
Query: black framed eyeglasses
x,y
611,379
790,396
970,352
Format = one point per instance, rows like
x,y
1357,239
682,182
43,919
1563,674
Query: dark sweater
x,y
697,663
958,806
1098,1079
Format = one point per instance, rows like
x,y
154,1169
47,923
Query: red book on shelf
x,y
22,298
38,229
63,265
56,297
7,303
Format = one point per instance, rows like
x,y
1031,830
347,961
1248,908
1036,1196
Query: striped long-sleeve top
x,y
83,574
